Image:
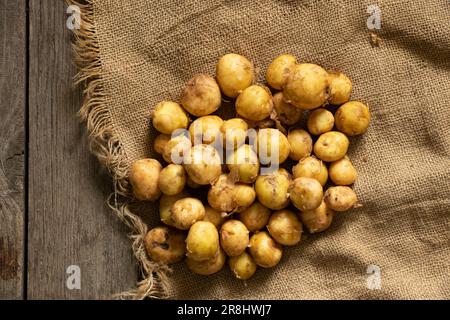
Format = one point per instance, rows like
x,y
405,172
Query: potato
x,y
306,193
201,96
255,217
172,179
202,242
342,172
244,163
144,176
317,220
272,189
234,237
263,124
340,87
215,217
273,146
307,86
176,148
234,73
165,206
300,144
168,116
279,69
352,118
160,143
206,130
208,267
227,196
340,198
234,133
243,266
264,250
331,146
311,167
165,245
285,227
187,211
320,121
285,112
254,103
203,164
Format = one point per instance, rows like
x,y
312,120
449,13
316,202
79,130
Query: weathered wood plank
x,y
69,223
12,109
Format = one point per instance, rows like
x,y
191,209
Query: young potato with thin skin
x,y
317,220
340,87
279,70
160,143
311,167
228,196
244,196
307,86
172,179
254,103
300,144
206,130
202,242
320,121
186,212
201,96
165,245
272,189
215,217
255,217
285,227
234,73
270,142
144,176
234,237
264,250
207,267
234,133
331,146
244,163
169,116
342,172
340,198
176,148
306,193
165,207
203,164
243,266
286,113
352,118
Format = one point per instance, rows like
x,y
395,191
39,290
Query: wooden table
x,y
52,190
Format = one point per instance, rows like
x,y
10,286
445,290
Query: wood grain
x,y
12,109
69,223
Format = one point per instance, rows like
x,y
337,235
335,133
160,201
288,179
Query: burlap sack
x,y
132,54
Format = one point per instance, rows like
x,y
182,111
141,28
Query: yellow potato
x,y
227,196
340,87
255,217
254,103
185,212
340,198
286,113
285,227
234,73
234,133
160,143
202,242
307,86
165,245
215,217
168,116
342,172
203,164
300,144
331,146
176,148
264,250
317,220
279,69
244,163
311,167
352,118
234,237
206,130
144,176
306,193
165,206
273,146
207,267
244,196
243,266
172,179
272,189
320,121
201,96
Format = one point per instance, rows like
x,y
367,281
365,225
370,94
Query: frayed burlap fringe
x,y
105,145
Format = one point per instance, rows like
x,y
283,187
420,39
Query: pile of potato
x,y
251,206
